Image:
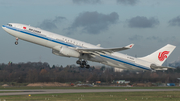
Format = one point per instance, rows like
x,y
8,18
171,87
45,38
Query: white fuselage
x,y
52,40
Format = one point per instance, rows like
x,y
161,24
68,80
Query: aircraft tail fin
x,y
159,56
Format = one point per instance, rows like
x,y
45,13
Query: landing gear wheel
x,y
16,43
87,66
82,66
78,62
84,63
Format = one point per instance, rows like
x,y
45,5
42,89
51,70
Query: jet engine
x,y
65,51
57,53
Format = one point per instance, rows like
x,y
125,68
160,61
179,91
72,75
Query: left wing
x,y
103,50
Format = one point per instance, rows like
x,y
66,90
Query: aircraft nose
x,y
3,27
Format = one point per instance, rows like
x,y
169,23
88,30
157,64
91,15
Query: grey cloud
x,y
160,39
58,19
154,38
142,22
86,1
51,24
94,22
136,37
127,2
175,21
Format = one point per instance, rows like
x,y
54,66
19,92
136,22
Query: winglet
x,y
129,46
98,45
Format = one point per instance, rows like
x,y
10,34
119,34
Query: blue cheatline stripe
x,y
39,36
112,58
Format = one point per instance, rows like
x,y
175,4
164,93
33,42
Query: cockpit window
x,y
9,25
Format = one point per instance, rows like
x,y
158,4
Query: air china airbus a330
x,y
68,47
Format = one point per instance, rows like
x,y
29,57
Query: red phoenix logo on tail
x,y
163,55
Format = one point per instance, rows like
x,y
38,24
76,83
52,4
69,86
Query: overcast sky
x,y
149,24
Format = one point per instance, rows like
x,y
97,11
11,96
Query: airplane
x,y
68,47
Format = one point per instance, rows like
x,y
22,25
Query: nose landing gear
x,y
16,43
83,64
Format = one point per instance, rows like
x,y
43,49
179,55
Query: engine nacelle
x,y
69,52
57,53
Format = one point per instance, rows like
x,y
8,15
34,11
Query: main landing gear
x,y
16,41
83,64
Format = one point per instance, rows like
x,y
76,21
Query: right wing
x,y
103,50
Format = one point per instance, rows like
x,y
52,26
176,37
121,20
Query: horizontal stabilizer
x,y
153,66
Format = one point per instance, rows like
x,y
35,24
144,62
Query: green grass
x,y
108,96
25,87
